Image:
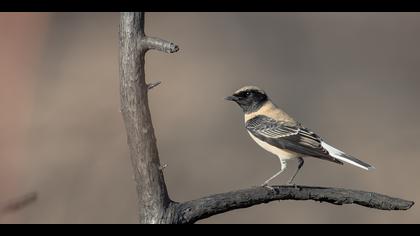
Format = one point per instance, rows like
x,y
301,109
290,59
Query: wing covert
x,y
286,135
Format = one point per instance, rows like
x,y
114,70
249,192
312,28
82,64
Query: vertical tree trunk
x,y
153,199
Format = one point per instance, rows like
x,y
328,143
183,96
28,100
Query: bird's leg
x,y
300,164
283,165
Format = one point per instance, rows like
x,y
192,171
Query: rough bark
x,y
154,204
153,199
191,211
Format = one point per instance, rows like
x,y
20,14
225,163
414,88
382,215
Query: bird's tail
x,y
334,152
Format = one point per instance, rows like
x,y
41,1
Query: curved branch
x,y
192,211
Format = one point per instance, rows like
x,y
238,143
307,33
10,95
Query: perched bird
x,y
277,132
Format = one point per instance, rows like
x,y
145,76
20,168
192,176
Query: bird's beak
x,y
231,98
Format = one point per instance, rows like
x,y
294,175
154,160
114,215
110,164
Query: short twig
x,y
152,85
163,166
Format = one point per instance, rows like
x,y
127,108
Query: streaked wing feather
x,y
291,136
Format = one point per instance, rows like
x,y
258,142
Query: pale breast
x,y
281,153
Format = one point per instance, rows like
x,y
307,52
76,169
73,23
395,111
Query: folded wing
x,y
290,136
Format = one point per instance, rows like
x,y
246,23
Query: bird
x,y
277,132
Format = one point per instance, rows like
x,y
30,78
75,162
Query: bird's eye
x,y
248,93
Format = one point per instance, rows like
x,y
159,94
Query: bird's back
x,y
271,110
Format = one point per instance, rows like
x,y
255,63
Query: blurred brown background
x,y
352,77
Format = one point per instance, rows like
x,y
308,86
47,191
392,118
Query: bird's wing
x,y
290,136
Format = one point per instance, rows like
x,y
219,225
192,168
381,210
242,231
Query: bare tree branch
x,y
18,203
153,199
154,204
152,85
158,44
192,211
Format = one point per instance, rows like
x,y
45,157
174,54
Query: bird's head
x,y
249,98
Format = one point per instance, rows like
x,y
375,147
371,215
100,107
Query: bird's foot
x,y
292,184
265,185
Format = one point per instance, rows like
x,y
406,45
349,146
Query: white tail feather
x,y
334,152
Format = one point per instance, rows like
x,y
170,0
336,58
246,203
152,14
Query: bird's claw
x,y
292,184
265,185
